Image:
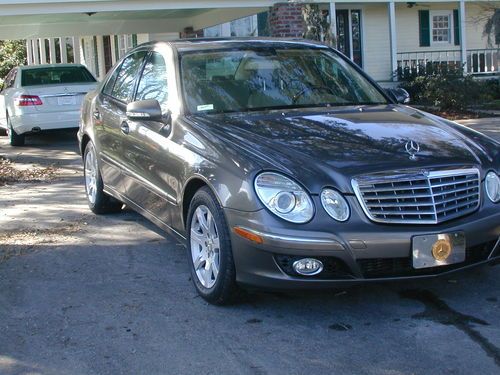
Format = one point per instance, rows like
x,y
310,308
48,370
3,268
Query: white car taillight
x,y
27,100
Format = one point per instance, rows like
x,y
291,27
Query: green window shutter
x,y
424,28
456,27
134,40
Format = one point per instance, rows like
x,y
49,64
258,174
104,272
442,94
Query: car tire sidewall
x,y
225,286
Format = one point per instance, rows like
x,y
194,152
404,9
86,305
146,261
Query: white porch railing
x,y
419,63
479,62
483,61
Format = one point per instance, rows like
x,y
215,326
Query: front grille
x,y
419,197
401,267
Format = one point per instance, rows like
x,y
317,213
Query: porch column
x,y
63,49
100,57
29,51
226,29
333,21
113,50
393,40
52,50
43,51
463,37
36,51
76,50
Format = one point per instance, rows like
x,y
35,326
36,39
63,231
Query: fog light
x,y
308,266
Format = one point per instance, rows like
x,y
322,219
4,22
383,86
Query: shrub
x,y
451,91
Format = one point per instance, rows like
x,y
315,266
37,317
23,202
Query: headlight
x,y
492,185
335,204
284,197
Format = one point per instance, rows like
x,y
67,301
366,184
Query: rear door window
x,y
125,80
56,76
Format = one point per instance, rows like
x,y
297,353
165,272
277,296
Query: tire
x,y
3,132
220,288
14,138
99,202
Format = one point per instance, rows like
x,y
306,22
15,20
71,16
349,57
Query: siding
x,y
376,50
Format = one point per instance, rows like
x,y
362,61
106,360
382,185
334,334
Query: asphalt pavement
x,y
85,294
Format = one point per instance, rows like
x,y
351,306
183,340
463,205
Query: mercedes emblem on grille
x,y
412,148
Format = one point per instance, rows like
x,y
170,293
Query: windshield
x,y
55,76
257,79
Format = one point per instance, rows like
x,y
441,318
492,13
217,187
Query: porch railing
x,y
479,62
429,62
483,61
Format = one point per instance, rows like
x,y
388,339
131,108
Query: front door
x,y
349,34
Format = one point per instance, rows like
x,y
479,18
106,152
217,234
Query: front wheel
x,y
99,202
209,249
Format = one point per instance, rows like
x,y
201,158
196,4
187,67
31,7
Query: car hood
x,y
321,148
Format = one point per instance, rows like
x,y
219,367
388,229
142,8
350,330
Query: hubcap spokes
x,y
205,246
91,176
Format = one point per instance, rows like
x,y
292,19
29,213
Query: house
x,y
381,37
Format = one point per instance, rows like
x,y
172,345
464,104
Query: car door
x,y
147,145
5,92
109,116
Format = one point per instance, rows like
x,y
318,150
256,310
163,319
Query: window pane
x,y
153,83
55,76
124,85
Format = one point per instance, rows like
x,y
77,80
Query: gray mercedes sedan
x,y
280,164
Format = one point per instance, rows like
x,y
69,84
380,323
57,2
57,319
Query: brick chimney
x,y
286,20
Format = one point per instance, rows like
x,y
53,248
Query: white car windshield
x,y
272,78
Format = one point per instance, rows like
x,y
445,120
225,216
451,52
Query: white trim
x,y
52,51
63,49
393,39
463,36
29,51
76,50
333,19
448,13
43,51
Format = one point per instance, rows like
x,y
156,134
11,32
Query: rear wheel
x,y
99,202
209,249
14,138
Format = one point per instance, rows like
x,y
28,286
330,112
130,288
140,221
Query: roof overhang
x,y
23,19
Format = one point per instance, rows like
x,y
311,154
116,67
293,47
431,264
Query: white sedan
x,y
42,97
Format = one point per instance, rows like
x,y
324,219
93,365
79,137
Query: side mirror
x,y
399,95
144,110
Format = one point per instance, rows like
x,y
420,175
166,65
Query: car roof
x,y
198,44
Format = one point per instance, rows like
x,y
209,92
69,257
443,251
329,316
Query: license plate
x,y
66,100
435,250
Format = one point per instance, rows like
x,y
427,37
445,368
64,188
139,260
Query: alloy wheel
x,y
91,175
205,246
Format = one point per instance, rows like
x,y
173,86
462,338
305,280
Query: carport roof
x,y
35,18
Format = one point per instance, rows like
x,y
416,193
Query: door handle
x,y
96,114
124,127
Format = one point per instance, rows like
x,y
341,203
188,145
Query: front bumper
x,y
353,252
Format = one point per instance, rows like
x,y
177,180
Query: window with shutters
x,y
441,27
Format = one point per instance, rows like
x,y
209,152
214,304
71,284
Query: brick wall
x,y
286,20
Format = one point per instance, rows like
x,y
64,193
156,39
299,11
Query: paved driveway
x,y
81,294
